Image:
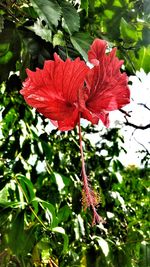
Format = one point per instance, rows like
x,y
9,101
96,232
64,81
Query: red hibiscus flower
x,y
66,91
62,90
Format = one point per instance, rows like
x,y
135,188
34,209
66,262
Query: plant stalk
x,y
90,196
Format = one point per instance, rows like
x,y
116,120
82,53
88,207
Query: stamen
x,y
89,197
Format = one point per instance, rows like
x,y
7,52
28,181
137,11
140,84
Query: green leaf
x,y
47,150
71,17
61,230
49,211
58,39
82,41
26,186
117,3
43,31
81,224
63,214
109,13
9,121
145,254
79,228
12,204
61,181
3,181
29,240
141,59
4,215
4,48
16,235
49,10
6,58
128,32
85,6
103,244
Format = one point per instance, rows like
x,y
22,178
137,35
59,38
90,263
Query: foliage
x,y
42,222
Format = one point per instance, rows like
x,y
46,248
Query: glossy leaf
x,y
49,10
70,16
128,31
27,187
143,59
81,42
140,60
49,211
103,245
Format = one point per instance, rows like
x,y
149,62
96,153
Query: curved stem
x,y
26,198
90,196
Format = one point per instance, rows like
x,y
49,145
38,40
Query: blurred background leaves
x,y
42,222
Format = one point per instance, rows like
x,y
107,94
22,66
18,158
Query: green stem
x,y
26,198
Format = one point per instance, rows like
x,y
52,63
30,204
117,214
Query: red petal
x,y
97,51
69,123
108,93
86,113
107,87
56,110
54,90
104,117
67,77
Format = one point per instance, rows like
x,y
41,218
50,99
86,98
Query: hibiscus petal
x,y
86,113
107,86
104,117
57,110
97,51
53,91
69,123
66,77
35,76
108,95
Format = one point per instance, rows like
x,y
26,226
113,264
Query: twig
x,y
146,150
144,105
9,12
125,112
140,127
52,263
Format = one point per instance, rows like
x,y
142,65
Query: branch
x,y
125,112
144,105
140,127
9,12
146,150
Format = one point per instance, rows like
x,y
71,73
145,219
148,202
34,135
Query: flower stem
x,y
89,195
